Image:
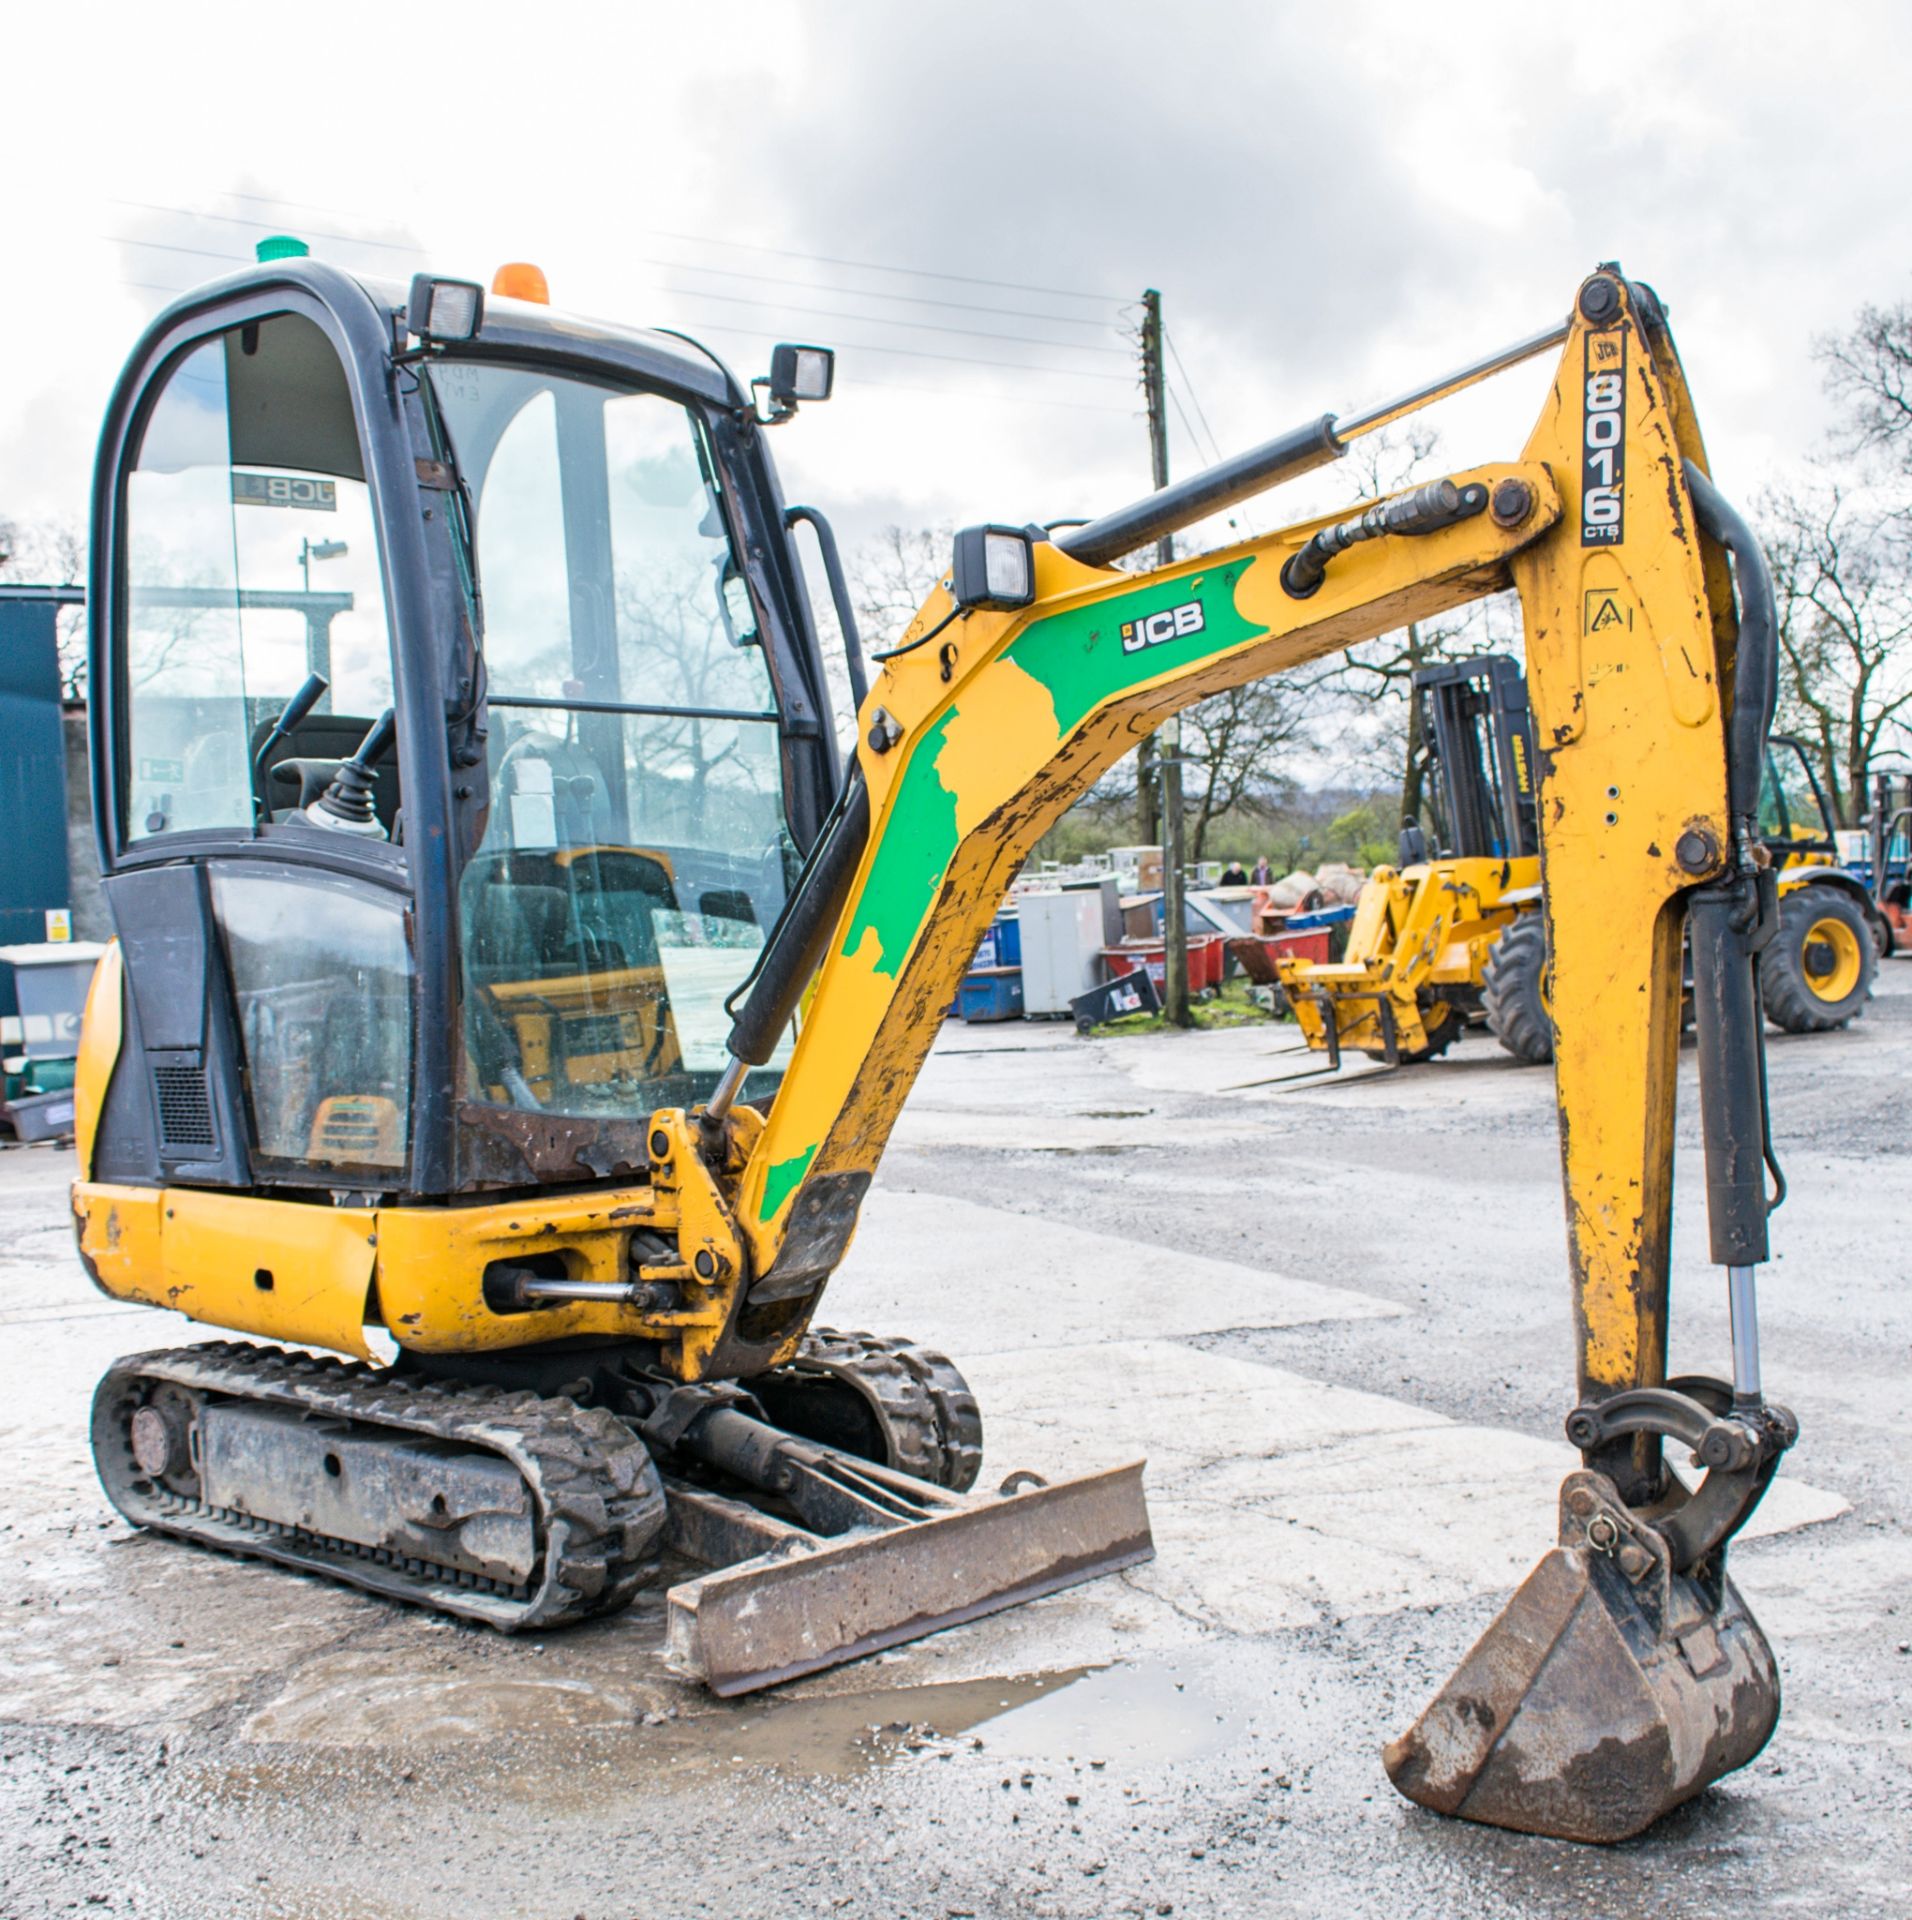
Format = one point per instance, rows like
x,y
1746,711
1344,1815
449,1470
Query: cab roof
x,y
509,329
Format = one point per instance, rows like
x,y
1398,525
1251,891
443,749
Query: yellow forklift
x,y
466,902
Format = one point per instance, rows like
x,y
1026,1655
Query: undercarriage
x,y
550,1491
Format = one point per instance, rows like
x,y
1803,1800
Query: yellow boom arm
x,y
973,745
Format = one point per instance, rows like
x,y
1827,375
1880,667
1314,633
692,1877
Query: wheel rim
x,y
1832,962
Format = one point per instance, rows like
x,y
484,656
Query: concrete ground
x,y
1333,1315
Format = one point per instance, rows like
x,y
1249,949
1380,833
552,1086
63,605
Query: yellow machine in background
x,y
1447,938
594,1258
1417,955
1818,972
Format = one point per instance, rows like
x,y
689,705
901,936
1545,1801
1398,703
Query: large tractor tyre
x,y
1817,972
1441,1023
1514,991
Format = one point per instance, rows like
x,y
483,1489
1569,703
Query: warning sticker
x,y
1604,609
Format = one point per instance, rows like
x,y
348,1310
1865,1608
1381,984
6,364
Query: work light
x,y
801,373
442,310
994,568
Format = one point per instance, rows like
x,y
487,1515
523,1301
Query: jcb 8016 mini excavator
x,y
465,901
1456,929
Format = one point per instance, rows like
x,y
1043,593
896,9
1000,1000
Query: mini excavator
x,y
511,985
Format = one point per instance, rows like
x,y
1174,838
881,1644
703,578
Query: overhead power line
x,y
747,246
877,266
1194,397
418,250
885,320
266,226
172,291
959,359
873,293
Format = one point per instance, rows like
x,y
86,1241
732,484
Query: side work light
x,y
801,373
440,311
994,567
796,373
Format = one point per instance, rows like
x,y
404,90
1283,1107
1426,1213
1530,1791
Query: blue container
x,y
991,993
1321,917
1007,930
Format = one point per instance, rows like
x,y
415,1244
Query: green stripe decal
x,y
910,861
1084,658
781,1181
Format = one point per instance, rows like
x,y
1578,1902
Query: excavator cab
x,y
560,569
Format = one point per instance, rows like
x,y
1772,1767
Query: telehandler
x,y
1455,932
1419,946
464,909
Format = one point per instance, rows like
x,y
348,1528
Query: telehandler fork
x,y
435,1052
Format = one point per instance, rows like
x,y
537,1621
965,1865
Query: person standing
x,y
1234,875
1264,873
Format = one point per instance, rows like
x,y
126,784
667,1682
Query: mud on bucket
x,y
1609,1690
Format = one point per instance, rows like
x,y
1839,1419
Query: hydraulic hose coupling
x,y
1426,510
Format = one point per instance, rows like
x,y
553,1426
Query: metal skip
x,y
809,1602
1610,1689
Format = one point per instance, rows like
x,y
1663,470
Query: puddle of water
x,y
574,1751
835,1735
1153,1714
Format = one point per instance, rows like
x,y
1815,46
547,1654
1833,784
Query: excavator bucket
x,y
1609,1690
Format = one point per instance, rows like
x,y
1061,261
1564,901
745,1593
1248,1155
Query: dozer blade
x,y
801,1606
1609,1690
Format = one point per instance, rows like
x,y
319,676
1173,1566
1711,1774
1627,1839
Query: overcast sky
x,y
1335,202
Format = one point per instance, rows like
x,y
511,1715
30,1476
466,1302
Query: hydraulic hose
x,y
1756,658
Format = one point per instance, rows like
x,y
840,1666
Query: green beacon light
x,y
281,246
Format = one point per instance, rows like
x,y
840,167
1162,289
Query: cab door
x,y
269,1016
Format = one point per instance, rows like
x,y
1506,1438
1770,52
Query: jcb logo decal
x,y
1173,623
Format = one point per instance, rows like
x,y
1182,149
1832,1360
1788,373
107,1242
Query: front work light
x,y
994,568
444,310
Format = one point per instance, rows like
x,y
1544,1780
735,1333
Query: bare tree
x,y
1845,620
891,576
1233,745
1869,371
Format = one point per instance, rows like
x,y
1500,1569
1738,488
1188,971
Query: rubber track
x,y
600,1504
934,1423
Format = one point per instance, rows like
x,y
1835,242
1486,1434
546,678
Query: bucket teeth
x,y
1600,1699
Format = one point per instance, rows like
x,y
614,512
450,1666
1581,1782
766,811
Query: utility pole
x,y
1169,755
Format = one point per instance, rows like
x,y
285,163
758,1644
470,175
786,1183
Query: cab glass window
x,y
251,560
636,850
